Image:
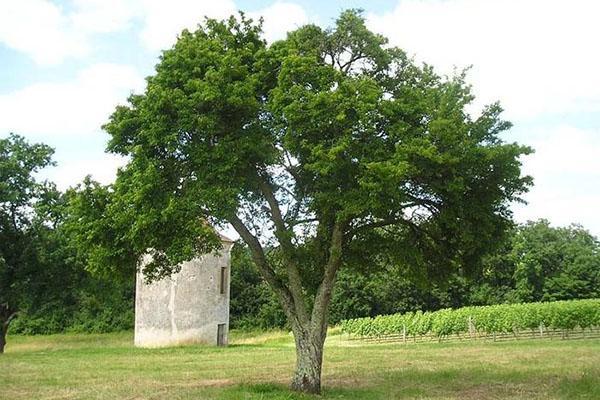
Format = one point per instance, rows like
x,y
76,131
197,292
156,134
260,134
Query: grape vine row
x,y
503,318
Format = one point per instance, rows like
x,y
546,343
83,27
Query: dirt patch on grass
x,y
497,391
202,383
212,383
345,382
478,392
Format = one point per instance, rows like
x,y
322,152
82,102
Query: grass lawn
x,y
259,366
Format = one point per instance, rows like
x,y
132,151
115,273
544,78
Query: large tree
x,y
23,208
322,150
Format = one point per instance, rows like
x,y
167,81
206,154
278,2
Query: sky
x,y
66,64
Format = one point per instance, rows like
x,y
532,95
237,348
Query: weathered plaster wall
x,y
185,308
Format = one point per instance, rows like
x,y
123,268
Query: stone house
x,y
191,306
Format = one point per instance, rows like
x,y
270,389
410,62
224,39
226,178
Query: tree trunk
x,y
310,337
309,360
3,331
4,328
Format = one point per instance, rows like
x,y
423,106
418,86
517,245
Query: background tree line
x,y
44,284
536,263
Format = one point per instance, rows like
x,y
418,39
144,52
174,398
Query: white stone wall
x,y
186,307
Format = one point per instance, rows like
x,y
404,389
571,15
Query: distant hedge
x,y
504,318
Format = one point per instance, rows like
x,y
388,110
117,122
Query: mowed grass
x,y
259,366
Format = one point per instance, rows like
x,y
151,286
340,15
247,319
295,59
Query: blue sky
x,y
66,64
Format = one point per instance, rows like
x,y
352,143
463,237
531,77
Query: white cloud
x,y
68,116
50,34
566,169
280,18
70,171
102,16
164,20
536,56
75,108
39,29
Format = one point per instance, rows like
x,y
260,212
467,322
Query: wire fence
x,y
541,333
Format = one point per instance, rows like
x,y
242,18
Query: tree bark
x,y
4,330
309,361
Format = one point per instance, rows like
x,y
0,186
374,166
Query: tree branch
x,y
323,297
6,323
284,235
290,166
11,317
258,255
390,221
347,65
431,205
375,224
303,221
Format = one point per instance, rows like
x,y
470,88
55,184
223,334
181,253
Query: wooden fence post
x,y
471,327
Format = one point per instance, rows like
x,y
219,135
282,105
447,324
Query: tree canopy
x,y
322,150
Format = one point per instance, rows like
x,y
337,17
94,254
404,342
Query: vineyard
x,y
564,319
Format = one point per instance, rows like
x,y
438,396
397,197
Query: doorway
x,y
221,335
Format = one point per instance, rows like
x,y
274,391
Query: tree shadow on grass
x,y
263,391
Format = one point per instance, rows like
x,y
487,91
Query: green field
x,y
258,366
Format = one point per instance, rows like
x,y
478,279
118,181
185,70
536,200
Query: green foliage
x,y
24,265
503,318
253,305
541,263
89,305
391,290
42,278
103,306
371,290
61,295
339,125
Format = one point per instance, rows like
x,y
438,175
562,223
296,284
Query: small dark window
x,y
223,282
